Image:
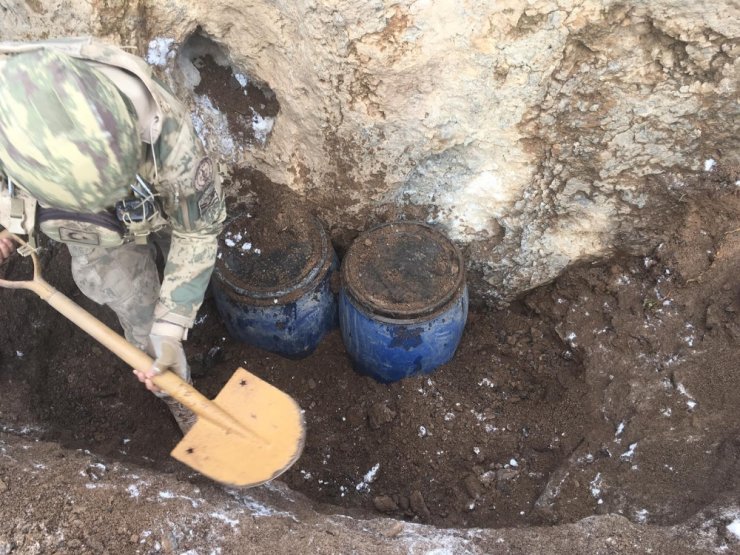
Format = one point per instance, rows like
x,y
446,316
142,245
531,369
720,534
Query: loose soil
x,y
238,96
613,390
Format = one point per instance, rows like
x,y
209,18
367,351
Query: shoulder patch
x,y
203,175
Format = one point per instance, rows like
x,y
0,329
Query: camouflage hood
x,y
67,135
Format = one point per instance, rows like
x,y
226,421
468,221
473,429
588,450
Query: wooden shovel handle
x,y
169,382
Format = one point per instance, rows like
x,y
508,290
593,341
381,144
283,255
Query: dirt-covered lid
x,y
403,270
271,253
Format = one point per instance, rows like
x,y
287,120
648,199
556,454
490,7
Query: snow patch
x,y
734,528
242,79
368,479
595,486
262,127
627,455
257,509
160,50
223,518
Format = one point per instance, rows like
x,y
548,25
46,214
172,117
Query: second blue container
x,y
272,281
403,301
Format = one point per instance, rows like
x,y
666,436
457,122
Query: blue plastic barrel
x,y
272,281
403,302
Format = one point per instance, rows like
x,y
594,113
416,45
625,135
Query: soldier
x,y
112,160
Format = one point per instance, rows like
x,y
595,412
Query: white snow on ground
x,y
627,455
195,503
160,50
262,127
223,518
691,403
368,479
255,508
709,164
242,79
595,486
486,382
734,528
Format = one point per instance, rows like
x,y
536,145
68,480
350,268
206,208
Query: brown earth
x,y
611,391
236,95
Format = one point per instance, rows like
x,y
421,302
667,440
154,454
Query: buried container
x,y
403,301
272,281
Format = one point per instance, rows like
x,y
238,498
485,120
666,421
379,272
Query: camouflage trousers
x,y
126,279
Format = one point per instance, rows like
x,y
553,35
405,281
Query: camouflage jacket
x,y
183,176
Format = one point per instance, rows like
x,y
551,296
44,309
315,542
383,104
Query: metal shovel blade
x,y
269,440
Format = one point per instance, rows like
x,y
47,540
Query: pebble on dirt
x,y
418,505
380,414
385,504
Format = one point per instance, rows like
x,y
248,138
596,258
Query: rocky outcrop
x,y
537,134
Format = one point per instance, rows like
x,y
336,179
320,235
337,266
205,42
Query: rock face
x,y
537,134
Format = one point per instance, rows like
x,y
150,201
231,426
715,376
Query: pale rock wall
x,y
537,133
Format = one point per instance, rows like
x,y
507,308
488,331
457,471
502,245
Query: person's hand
x,y
146,376
7,247
165,341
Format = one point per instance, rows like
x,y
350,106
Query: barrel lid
x,y
403,270
271,253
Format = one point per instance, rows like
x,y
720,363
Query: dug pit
x,y
613,390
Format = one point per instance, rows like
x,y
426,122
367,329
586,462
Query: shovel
x,y
249,434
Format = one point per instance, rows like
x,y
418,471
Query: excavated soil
x,y
244,101
613,390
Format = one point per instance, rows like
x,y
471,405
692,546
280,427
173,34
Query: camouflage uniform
x,y
174,161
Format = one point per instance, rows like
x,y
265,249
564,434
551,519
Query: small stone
x,y
134,538
487,478
169,543
3,487
473,486
394,530
403,502
506,474
384,504
379,415
355,416
418,505
311,383
75,544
